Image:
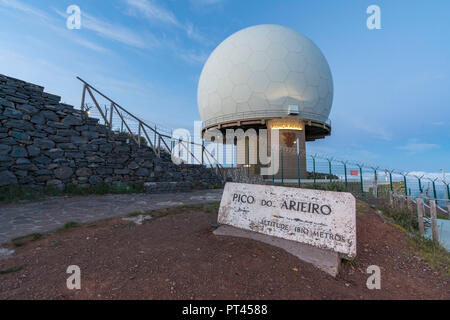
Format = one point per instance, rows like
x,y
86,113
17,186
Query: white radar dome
x,y
260,72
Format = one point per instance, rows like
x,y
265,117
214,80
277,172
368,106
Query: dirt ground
x,y
176,256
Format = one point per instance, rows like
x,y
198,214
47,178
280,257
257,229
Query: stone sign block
x,y
322,219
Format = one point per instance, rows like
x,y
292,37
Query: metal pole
x,y
406,187
448,193
298,170
273,169
331,174
346,180
248,156
203,151
362,183
434,189
314,169
420,185
282,168
390,180
375,184
83,98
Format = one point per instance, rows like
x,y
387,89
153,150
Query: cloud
x,y
15,4
112,31
192,57
414,147
375,129
50,22
206,2
153,12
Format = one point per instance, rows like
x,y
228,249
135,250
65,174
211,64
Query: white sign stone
x,y
322,219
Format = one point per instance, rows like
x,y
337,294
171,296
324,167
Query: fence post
x,y
273,168
406,187
314,169
434,189
391,199
434,227
390,180
298,167
409,203
420,184
448,193
375,183
329,167
361,178
420,215
345,174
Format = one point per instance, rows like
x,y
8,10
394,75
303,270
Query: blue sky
x,y
392,86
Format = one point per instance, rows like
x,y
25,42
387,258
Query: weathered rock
x,y
19,135
7,178
84,172
33,151
49,115
19,152
26,108
72,121
4,149
143,172
38,119
94,180
63,173
44,144
13,113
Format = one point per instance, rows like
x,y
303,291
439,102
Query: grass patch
x,y
435,255
67,226
21,241
17,193
407,222
11,270
137,214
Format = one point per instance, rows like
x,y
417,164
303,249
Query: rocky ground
x,y
174,255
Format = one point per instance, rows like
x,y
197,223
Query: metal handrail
x,y
142,126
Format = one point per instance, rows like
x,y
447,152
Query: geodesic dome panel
x,y
259,72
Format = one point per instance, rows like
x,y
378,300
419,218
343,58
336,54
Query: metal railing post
x,y
345,174
314,169
405,184
298,170
329,168
361,179
390,181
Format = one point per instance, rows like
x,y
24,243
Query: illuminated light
x,y
287,127
290,123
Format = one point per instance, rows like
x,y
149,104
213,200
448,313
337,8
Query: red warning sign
x,y
354,172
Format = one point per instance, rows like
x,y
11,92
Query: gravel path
x,y
21,219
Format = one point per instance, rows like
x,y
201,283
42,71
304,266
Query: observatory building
x,y
268,77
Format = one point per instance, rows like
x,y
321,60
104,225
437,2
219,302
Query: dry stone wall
x,y
47,143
